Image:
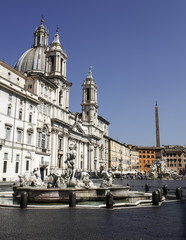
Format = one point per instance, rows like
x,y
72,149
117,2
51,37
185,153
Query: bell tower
x,y
89,102
56,59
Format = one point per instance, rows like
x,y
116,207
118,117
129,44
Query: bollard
x,y
24,200
159,195
165,190
109,200
155,198
146,187
178,193
72,199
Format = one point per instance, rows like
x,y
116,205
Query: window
x,y
4,166
21,101
30,117
180,165
7,137
17,157
29,86
39,139
49,109
17,167
88,94
60,144
27,165
148,156
140,156
52,64
19,135
152,156
44,140
44,108
20,115
9,111
60,97
29,138
6,156
143,156
40,108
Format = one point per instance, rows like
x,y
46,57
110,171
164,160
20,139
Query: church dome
x,y
34,60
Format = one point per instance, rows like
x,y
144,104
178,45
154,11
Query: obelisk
x,y
158,149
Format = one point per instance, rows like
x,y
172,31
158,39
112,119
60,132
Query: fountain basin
x,y
55,195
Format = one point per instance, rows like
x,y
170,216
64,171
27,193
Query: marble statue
x,y
107,179
54,181
22,180
71,161
85,181
159,168
36,178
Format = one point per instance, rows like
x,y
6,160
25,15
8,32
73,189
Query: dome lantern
x,y
41,36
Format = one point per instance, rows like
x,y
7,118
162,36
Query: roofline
x,y
103,120
12,69
111,139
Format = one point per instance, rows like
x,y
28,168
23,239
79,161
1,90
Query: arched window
x,y
60,96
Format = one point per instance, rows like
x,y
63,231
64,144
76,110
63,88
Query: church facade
x,y
36,124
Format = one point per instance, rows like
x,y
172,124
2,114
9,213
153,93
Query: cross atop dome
x,y
42,20
90,72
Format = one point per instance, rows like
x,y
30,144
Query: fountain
x,y
59,187
159,168
68,188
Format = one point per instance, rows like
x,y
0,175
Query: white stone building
x,y
36,123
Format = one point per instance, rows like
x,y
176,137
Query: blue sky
x,y
137,49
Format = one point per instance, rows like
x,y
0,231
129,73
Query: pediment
x,y
77,128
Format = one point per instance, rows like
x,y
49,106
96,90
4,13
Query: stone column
x,y
64,150
65,100
54,149
65,68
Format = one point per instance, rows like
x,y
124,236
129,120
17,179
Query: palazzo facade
x,y
36,124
